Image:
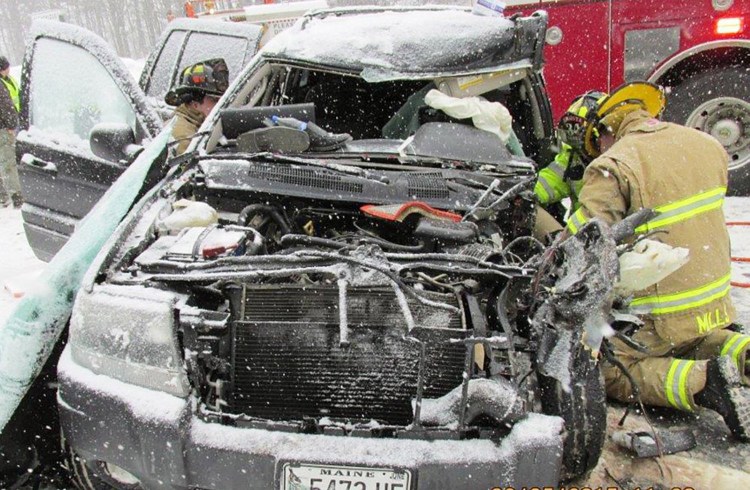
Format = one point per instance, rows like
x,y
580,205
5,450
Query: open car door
x,y
83,120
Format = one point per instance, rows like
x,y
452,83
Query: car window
x,y
71,92
161,76
202,46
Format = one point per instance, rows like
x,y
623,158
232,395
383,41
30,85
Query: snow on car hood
x,y
392,44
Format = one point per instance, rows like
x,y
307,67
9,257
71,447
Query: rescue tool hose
x,y
736,284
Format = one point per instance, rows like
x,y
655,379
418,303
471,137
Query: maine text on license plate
x,y
325,477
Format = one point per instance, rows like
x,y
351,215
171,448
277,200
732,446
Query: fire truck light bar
x,y
729,25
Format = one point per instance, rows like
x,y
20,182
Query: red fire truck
x,y
699,50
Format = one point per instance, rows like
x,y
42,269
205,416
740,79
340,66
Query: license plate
x,y
325,477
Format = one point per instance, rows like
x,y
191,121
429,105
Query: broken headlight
x,y
128,333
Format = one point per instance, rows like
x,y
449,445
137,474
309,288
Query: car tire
x,y
583,409
718,102
96,475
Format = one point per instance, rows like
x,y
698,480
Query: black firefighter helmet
x,y
209,77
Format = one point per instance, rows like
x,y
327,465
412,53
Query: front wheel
x,y
97,475
717,102
583,408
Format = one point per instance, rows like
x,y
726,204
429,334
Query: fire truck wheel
x,y
718,102
584,410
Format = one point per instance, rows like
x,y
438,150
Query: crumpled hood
x,y
391,44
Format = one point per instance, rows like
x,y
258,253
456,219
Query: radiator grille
x,y
289,364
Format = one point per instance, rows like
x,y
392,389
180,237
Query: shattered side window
x,y
202,46
71,92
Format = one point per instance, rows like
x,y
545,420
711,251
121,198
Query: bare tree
x,y
131,26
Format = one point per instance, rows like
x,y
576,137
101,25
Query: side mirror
x,y
113,142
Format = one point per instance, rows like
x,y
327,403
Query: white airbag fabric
x,y
486,115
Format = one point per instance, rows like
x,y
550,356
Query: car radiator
x,y
289,363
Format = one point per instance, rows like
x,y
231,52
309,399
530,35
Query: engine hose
x,y
295,239
271,211
392,246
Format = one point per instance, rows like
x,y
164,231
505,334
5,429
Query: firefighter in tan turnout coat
x,y
201,85
694,359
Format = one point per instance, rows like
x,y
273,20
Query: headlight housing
x,y
128,333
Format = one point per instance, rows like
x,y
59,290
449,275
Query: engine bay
x,y
310,310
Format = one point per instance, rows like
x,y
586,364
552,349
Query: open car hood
x,y
389,44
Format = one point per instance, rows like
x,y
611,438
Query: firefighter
x,y
189,9
201,86
693,358
563,177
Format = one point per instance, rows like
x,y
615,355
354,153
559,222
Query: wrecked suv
x,y
370,317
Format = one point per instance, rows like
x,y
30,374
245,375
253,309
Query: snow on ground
x,y
738,209
19,267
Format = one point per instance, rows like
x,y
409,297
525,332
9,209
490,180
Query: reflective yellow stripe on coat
x,y
576,221
685,209
669,214
660,304
676,384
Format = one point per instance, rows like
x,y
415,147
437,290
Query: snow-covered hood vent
x,y
389,44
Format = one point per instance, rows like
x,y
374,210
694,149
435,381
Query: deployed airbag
x,y
486,115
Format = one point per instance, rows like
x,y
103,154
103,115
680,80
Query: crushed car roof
x,y
390,43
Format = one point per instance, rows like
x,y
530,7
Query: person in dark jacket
x,y
10,188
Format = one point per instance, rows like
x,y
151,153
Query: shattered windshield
x,y
474,119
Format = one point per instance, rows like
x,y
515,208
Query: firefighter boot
x,y
322,140
725,394
277,139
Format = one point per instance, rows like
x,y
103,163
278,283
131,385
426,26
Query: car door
x,y
73,83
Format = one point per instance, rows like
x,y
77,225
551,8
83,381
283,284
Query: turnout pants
x,y
671,374
9,184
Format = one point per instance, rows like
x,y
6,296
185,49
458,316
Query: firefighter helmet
x,y
572,126
613,109
210,77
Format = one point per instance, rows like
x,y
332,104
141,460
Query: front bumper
x,y
158,438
